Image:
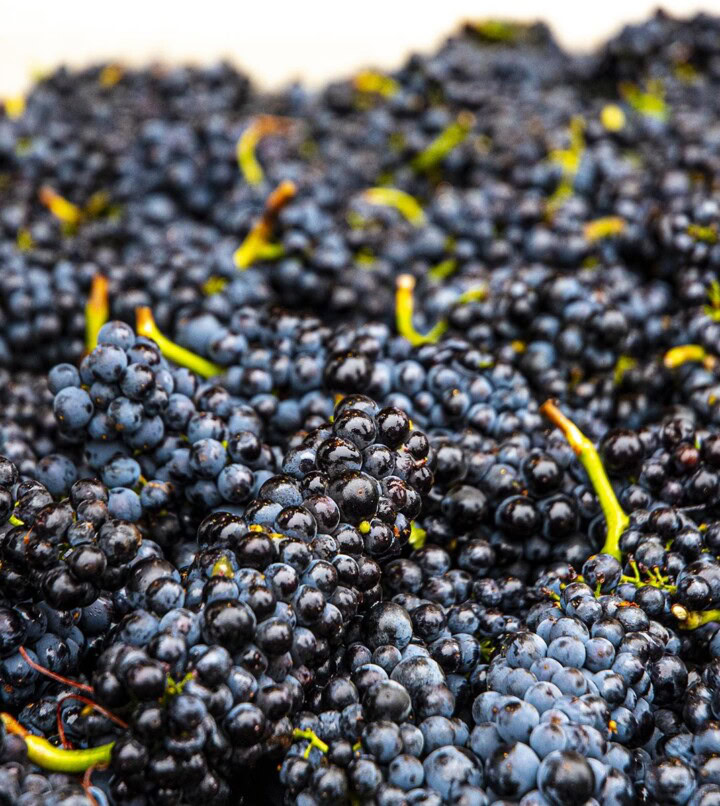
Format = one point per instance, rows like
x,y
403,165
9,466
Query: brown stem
x,y
57,677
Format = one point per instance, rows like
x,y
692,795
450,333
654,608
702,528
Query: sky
x,y
276,42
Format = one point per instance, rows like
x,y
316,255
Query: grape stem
x,y
256,245
261,126
49,757
615,517
97,310
145,326
654,578
407,205
441,271
14,107
370,81
405,307
173,688
605,227
445,142
67,212
66,743
90,704
87,782
66,681
96,707
312,737
418,536
688,353
692,619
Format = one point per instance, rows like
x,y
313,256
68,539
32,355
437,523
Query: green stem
x,y
256,245
312,737
615,517
649,103
692,619
476,294
373,82
49,757
685,353
60,207
487,648
623,365
654,579
404,307
96,310
418,536
14,106
446,268
605,227
246,145
407,205
145,326
173,688
444,143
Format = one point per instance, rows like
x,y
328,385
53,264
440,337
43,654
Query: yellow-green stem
x,y
713,294
692,619
649,103
622,366
706,234
444,143
145,326
605,227
60,207
418,536
49,757
246,145
24,240
407,205
686,353
97,310
312,737
441,271
256,245
14,106
173,687
476,294
493,30
373,82
404,307
615,517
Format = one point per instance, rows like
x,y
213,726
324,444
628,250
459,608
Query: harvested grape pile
x,y
362,446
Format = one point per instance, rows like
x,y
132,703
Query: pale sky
x,y
275,41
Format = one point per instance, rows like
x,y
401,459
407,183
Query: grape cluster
x,y
66,552
274,360
451,385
